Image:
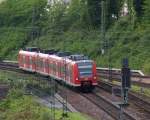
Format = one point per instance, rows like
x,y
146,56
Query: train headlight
x,y
77,78
94,77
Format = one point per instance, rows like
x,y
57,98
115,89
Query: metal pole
x,y
65,114
103,43
52,99
121,112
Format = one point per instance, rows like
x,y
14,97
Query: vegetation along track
x,y
99,101
143,81
4,88
138,101
9,66
78,102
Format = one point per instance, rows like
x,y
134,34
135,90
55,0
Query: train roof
x,y
43,55
32,49
50,51
58,55
27,52
63,54
78,57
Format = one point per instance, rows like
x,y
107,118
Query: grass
x,y
25,108
141,90
137,89
18,106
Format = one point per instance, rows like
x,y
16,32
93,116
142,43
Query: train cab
x,y
84,71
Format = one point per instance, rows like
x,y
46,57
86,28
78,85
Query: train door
x,y
61,73
50,67
54,68
59,69
37,63
27,62
20,59
46,66
34,63
42,64
70,73
67,72
30,62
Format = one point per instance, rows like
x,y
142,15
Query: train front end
x,y
85,73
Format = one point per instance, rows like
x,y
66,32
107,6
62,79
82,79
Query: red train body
x,y
76,73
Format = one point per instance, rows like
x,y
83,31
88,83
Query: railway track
x,y
139,80
108,107
9,66
136,101
96,99
50,99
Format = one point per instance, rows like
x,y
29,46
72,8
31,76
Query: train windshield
x,y
85,69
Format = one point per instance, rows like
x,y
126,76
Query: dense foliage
x,y
19,12
75,27
20,105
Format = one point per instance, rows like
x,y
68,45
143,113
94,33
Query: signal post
x,y
126,80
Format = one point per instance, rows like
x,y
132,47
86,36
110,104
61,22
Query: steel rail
x,y
133,97
107,106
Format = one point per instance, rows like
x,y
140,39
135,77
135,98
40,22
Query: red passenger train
x,y
74,70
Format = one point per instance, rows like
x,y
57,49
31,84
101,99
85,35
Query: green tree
x,y
13,13
94,10
146,8
113,8
138,7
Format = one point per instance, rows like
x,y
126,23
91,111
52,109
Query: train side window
x,y
41,63
63,69
70,71
46,64
33,61
54,67
59,68
50,66
37,62
30,60
67,71
23,59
